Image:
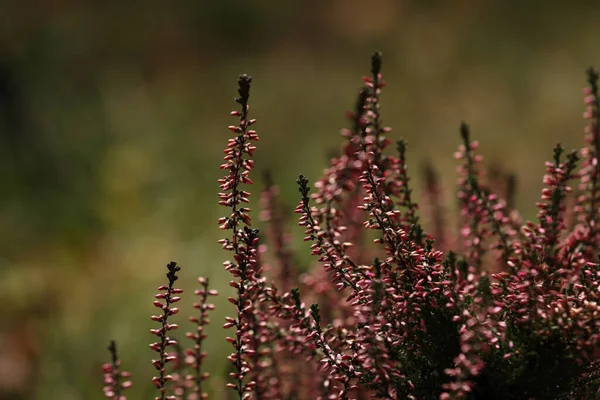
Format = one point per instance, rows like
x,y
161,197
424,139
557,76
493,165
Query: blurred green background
x,y
113,118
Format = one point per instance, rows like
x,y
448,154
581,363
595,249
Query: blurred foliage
x,y
113,116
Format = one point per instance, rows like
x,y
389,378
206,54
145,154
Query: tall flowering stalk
x,y
472,207
340,277
326,225
552,208
196,354
400,188
113,376
321,246
585,237
590,202
165,299
486,214
243,243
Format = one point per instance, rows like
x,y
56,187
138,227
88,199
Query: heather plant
x,y
497,309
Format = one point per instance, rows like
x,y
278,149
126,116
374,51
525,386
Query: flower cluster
x,y
113,384
165,299
195,354
251,335
497,308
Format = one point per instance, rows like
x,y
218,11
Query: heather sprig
x,y
166,297
244,245
338,194
377,203
326,251
486,214
374,84
590,173
337,366
196,354
403,190
113,376
585,236
238,163
552,208
472,207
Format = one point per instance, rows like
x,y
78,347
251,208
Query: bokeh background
x,y
113,117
